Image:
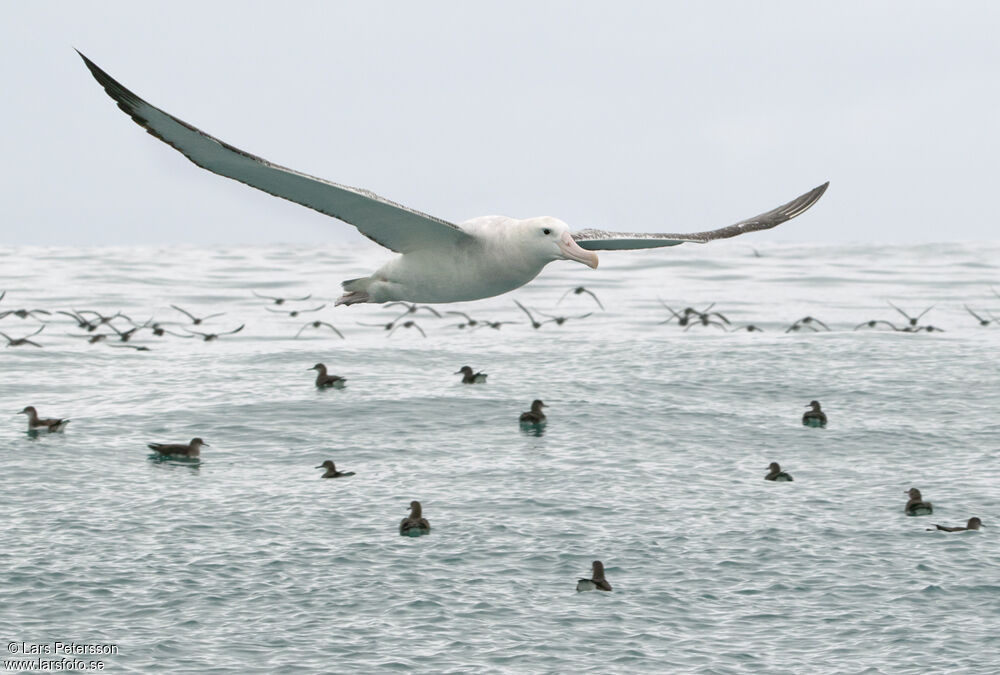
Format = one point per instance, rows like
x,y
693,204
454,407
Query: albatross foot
x,y
352,298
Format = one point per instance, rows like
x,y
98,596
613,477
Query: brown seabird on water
x,y
535,415
777,475
814,417
192,449
48,425
331,470
469,377
973,524
324,381
414,524
916,506
596,582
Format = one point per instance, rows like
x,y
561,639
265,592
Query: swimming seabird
x,y
777,475
916,506
415,524
469,377
324,381
596,582
317,324
36,424
17,342
331,470
440,261
192,449
281,301
973,524
814,417
535,415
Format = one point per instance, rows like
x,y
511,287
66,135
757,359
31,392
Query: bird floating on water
x,y
916,506
776,474
535,416
37,424
814,417
470,377
596,582
324,381
331,470
972,524
440,261
415,524
192,449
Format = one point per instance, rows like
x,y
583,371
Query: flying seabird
x,y
916,506
295,312
192,449
874,323
981,320
25,313
776,474
814,417
331,470
973,524
577,291
534,324
415,524
440,261
35,424
560,320
412,308
89,326
406,324
196,320
534,416
281,301
208,337
596,582
317,324
469,377
17,342
324,381
469,321
913,320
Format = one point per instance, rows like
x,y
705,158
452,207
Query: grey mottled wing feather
x,y
616,241
392,225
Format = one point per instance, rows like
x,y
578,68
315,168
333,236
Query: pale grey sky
x,y
670,116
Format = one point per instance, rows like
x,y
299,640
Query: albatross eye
x,y
546,231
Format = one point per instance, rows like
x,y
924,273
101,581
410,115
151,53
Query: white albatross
x,y
440,261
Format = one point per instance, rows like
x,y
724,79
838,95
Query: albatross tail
x,y
357,291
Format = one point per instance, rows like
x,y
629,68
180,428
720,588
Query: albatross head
x,y
550,239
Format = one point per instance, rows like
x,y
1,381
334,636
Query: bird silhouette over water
x,y
534,324
414,524
281,301
26,340
535,416
318,324
597,580
916,506
577,291
331,470
469,321
196,320
807,322
407,324
972,524
24,313
47,425
874,324
776,474
470,377
412,308
560,320
981,320
192,449
913,320
294,312
208,337
86,324
326,381
814,417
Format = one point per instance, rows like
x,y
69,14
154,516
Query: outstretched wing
x,y
617,241
391,225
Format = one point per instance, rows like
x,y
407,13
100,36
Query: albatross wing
x,y
392,225
617,241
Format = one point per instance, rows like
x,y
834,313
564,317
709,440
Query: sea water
x,y
652,461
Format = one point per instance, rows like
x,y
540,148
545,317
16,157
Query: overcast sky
x,y
663,116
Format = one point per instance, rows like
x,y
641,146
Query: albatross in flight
x,y
440,261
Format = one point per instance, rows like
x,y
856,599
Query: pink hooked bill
x,y
572,251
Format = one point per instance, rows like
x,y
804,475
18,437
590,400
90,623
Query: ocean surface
x,y
652,461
